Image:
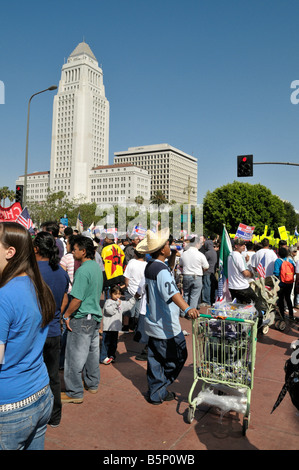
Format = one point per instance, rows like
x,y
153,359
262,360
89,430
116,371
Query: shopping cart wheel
x,y
245,425
191,413
280,325
265,329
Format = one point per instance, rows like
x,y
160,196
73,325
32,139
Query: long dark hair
x,y
47,248
24,261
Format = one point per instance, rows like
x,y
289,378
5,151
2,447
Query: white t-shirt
x,y
141,291
270,258
236,264
134,272
193,261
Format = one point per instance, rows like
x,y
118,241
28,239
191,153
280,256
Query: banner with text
x,y
11,213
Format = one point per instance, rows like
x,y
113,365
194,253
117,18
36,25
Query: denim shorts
x,y
25,427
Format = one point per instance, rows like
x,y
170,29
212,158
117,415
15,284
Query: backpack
x,y
287,272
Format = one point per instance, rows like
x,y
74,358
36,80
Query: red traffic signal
x,y
19,194
245,165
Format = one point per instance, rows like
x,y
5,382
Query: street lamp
x,y
54,87
189,189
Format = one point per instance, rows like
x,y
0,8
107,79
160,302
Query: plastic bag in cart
x,y
224,402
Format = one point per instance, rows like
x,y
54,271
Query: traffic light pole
x,y
275,163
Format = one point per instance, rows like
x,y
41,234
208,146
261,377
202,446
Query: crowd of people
x,y
65,297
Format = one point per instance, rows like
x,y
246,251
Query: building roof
x,y
36,173
117,165
83,48
149,149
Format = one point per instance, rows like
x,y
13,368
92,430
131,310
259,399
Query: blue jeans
x,y
206,289
140,334
192,286
82,356
109,344
165,360
25,428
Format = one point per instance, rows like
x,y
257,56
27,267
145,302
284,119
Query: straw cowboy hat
x,y
153,241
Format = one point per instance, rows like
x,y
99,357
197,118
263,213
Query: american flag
x,y
25,219
79,224
261,267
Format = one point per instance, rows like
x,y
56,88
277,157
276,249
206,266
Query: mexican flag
x,y
225,250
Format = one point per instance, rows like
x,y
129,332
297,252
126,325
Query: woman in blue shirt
x,y
284,294
27,307
47,256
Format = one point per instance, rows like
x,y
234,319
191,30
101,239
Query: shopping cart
x,y
224,349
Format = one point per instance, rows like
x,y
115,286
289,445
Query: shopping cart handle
x,y
204,315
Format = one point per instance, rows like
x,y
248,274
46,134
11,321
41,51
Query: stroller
x,y
267,289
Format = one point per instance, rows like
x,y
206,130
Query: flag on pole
x,y
91,228
261,267
225,250
79,224
25,219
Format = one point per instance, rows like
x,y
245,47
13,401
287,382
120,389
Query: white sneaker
x,y
107,361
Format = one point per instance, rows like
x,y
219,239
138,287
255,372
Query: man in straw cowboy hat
x,y
167,351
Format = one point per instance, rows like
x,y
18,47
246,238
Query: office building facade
x,y
119,184
172,171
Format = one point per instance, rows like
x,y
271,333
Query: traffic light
x,y
245,165
19,193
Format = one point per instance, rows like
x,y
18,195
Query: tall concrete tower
x,y
80,128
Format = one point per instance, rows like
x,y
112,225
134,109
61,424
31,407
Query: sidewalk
x,y
118,417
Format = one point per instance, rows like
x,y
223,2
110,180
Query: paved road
x,y
119,418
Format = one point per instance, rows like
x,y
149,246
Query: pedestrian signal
x,y
19,194
245,165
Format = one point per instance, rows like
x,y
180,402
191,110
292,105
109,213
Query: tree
x,y
139,199
158,198
11,195
237,202
4,193
55,206
292,218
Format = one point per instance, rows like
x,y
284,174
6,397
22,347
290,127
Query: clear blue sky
x,y
212,78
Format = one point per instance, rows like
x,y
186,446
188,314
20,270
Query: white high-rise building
x,y
172,170
80,128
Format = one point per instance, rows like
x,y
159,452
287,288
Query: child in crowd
x,y
112,323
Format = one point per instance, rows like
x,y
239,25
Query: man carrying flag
x,y
268,256
238,279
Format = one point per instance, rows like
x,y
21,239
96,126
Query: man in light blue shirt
x,y
167,351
